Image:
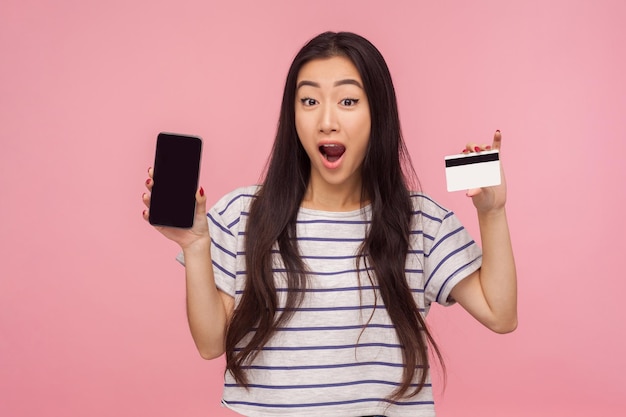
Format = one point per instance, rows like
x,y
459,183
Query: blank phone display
x,y
176,169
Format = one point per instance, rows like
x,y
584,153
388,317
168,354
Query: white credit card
x,y
473,170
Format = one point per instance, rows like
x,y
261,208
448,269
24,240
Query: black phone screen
x,y
176,170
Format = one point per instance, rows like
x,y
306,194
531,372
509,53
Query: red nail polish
x,y
148,181
201,192
144,213
498,131
476,148
488,147
464,150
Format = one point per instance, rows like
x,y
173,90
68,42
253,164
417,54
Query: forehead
x,y
329,69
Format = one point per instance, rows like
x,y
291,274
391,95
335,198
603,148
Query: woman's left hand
x,y
488,199
490,293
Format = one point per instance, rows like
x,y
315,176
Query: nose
x,y
328,122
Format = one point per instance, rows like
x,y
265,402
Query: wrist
x,y
492,214
201,245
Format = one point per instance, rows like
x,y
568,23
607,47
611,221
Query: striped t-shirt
x,y
339,354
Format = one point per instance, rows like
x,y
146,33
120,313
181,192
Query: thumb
x,y
200,202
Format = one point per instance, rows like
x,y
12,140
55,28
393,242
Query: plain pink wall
x,y
92,317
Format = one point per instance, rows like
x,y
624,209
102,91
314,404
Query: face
x,y
333,123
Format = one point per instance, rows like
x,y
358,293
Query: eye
x,y
349,102
307,101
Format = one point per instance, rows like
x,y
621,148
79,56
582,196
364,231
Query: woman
x,y
316,284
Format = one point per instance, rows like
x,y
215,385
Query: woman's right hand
x,y
184,237
209,309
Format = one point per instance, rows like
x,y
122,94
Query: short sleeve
x,y
452,256
226,227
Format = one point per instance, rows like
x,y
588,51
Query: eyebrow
x,y
347,81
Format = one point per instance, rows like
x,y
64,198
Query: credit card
x,y
473,170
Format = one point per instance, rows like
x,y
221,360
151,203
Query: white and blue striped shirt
x,y
339,354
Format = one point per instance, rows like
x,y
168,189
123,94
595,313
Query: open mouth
x,y
332,152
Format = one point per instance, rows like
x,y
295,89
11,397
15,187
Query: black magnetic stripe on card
x,y
474,159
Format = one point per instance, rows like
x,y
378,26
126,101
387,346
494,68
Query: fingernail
x,y
144,213
498,131
476,148
465,150
143,196
201,192
488,147
149,168
148,181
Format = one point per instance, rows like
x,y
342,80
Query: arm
x,y
490,293
208,309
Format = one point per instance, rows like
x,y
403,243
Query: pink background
x,y
92,317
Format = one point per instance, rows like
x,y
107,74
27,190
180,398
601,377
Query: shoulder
x,y
235,201
229,213
426,207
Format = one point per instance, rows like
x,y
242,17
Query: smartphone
x,y
176,171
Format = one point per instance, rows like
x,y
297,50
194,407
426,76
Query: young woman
x,y
316,283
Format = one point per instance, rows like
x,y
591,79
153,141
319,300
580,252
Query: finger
x,y
497,140
150,180
146,199
474,147
145,214
473,192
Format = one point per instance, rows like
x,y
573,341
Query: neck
x,y
329,197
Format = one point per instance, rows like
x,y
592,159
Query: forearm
x,y
206,311
498,276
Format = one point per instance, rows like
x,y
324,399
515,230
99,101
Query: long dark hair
x,y
386,175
